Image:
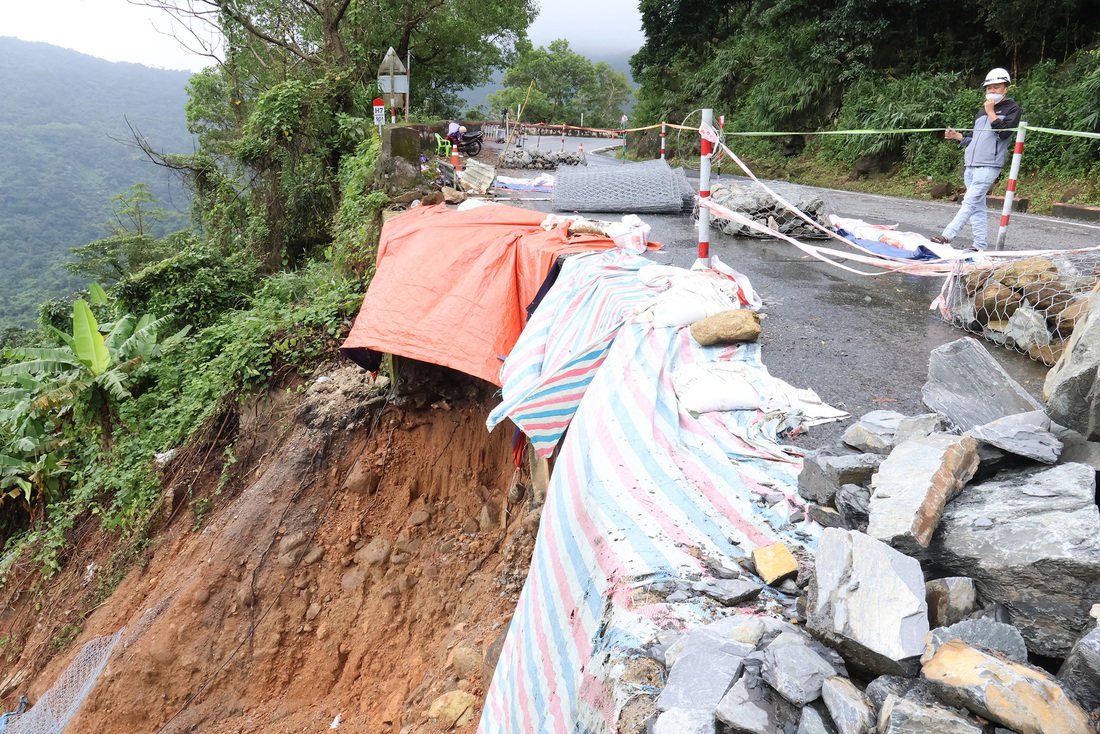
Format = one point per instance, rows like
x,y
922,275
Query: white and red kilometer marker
x,y
663,135
1010,188
708,138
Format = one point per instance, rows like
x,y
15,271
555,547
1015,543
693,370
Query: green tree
x,y
566,84
292,97
130,244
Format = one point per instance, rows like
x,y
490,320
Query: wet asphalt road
x,y
860,342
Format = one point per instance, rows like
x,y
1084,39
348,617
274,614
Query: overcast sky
x,y
118,31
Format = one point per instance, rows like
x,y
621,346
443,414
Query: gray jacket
x,y
986,146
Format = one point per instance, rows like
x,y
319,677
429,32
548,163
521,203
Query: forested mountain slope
x,y
63,154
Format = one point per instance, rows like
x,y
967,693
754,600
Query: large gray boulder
x,y
967,386
1015,695
848,707
867,601
1023,434
795,669
1080,673
982,633
1032,542
903,716
1072,387
704,669
914,483
752,707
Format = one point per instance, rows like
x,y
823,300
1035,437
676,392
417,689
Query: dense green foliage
x,y
566,84
850,64
294,97
64,126
287,210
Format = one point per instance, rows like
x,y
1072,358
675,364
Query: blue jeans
x,y
978,180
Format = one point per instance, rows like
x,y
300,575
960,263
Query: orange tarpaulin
x,y
451,288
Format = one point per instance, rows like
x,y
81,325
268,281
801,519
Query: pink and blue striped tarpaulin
x,y
642,492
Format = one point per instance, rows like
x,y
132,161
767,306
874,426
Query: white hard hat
x,y
462,128
997,76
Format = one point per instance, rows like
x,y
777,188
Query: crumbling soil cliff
x,y
365,571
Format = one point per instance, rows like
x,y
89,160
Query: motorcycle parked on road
x,y
470,143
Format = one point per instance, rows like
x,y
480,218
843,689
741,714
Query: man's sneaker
x,y
940,240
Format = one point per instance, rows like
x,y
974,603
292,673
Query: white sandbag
x,y
715,387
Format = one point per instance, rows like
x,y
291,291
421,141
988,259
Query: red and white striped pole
x,y
563,138
1010,188
705,147
663,135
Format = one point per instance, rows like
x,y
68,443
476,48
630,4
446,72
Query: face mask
x,y
994,98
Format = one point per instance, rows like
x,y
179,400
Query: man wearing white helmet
x,y
984,158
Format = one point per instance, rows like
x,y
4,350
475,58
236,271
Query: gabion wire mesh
x,y
1031,305
647,187
56,708
746,198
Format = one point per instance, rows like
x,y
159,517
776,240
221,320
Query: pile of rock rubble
x,y
952,591
748,199
518,158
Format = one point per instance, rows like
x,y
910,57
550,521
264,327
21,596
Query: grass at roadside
x,y
1041,189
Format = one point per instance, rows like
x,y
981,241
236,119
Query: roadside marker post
x,y
706,130
664,133
379,114
1010,187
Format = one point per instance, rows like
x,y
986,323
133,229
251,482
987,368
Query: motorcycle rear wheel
x,y
473,148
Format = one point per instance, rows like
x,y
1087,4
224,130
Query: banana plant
x,y
92,372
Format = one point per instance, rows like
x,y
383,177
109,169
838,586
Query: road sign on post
x,y
393,80
379,114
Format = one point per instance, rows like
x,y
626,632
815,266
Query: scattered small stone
x,y
774,563
875,432
918,426
826,517
374,553
466,660
684,721
418,518
825,470
728,591
813,722
454,709
453,196
914,689
353,579
751,706
702,671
